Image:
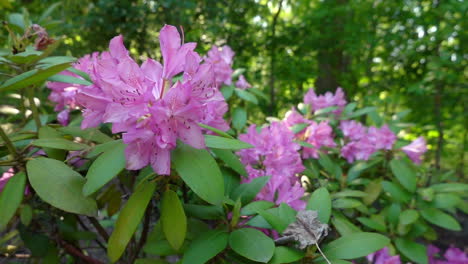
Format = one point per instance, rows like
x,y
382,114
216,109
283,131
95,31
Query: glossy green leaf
x,y
320,201
446,200
247,96
398,194
231,160
439,218
343,225
173,219
404,173
408,217
215,130
129,219
68,79
346,203
412,250
26,214
206,247
104,169
450,187
225,143
253,207
349,193
286,255
355,245
239,118
11,197
247,191
299,127
372,224
60,186
252,244
373,190
200,172
92,134
58,143
209,212
47,132
35,76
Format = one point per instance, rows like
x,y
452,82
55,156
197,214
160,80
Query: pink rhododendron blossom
x,y
242,83
383,138
221,58
144,102
361,149
415,149
275,154
452,256
327,100
383,257
352,129
319,135
6,176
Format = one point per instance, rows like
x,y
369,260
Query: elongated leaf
x,y
361,112
58,143
373,190
206,247
173,219
396,192
92,134
345,203
355,245
101,148
246,95
129,219
408,217
412,250
60,186
225,143
10,197
104,169
405,175
247,191
215,130
68,79
231,160
439,218
320,201
286,255
450,187
239,118
253,207
372,224
252,244
200,172
47,132
35,76
299,127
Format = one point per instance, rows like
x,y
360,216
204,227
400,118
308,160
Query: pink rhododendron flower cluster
x,y
383,257
363,142
221,58
326,100
242,83
144,102
275,154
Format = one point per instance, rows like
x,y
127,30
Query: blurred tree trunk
x,y
273,59
332,60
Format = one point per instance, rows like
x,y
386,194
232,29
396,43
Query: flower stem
x,y
32,104
8,143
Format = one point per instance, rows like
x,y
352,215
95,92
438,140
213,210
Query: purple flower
x,y
352,129
326,100
221,59
415,149
6,176
275,154
383,257
319,135
242,83
452,256
361,149
383,138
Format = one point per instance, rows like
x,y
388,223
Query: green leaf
x,y
372,224
173,219
355,171
26,214
247,191
129,219
47,132
355,245
11,197
320,201
361,112
439,218
446,200
35,76
398,194
246,96
209,212
252,244
325,110
205,247
60,186
299,127
68,79
58,143
373,190
82,74
225,143
349,193
227,91
343,225
412,250
450,187
286,255
104,169
231,160
215,130
200,172
408,217
345,203
253,207
92,134
101,148
404,173
239,118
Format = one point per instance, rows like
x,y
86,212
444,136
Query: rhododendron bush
x,y
153,162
